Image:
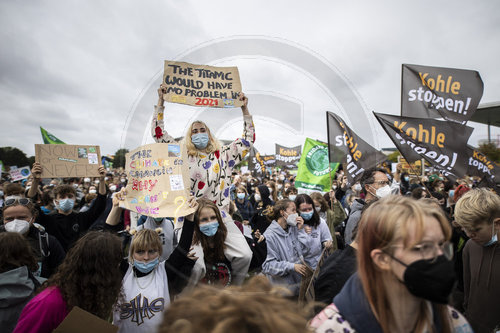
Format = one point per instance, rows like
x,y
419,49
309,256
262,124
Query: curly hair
x,y
254,307
64,190
90,276
15,252
217,252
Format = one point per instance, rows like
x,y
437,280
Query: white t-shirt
x,y
145,299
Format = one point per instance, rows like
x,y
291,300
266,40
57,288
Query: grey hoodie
x,y
353,220
283,251
16,289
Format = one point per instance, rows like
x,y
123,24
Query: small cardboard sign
x,y
81,321
158,180
19,173
200,85
67,161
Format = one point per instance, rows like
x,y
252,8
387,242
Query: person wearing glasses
x,y
405,274
478,214
375,185
19,215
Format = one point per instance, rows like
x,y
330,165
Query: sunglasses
x,y
21,201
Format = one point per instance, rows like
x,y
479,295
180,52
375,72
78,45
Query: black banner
x,y
344,146
437,92
441,143
287,157
269,160
480,165
256,163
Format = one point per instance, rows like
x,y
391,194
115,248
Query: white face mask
x,y
257,197
318,209
270,190
122,180
383,191
92,191
86,180
19,226
357,187
292,219
112,188
292,197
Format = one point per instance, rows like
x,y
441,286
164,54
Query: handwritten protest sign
x,y
158,176
19,173
200,85
67,161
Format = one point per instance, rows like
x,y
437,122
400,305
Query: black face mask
x,y
430,279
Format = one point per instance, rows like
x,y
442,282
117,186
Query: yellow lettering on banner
x,y
422,134
439,84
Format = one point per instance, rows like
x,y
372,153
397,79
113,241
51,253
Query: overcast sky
x,y
87,70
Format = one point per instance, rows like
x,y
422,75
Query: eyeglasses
x,y
21,201
382,182
430,250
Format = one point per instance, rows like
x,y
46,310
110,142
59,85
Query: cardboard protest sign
x,y
67,161
411,168
437,92
315,171
19,173
287,157
159,181
81,321
441,143
347,147
200,85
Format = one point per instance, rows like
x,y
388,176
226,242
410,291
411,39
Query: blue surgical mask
x,y
146,267
66,205
210,228
451,193
158,219
240,196
200,140
406,178
307,216
494,237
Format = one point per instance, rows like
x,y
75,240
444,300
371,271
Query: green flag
x,y
49,138
315,170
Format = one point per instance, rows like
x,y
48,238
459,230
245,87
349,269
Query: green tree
x,y
393,157
491,151
12,156
119,160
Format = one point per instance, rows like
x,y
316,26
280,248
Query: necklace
x,y
147,283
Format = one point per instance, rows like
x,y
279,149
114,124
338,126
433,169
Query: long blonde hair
x,y
383,224
213,143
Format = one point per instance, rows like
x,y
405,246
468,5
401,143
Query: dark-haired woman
x,y
210,232
317,235
17,283
89,277
284,260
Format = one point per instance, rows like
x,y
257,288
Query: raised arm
x,y
36,171
157,125
116,210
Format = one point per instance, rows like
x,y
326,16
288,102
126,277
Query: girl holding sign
x,y
210,168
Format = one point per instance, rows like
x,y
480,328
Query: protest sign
x,y
269,160
480,165
19,173
66,161
347,147
441,143
81,321
437,92
49,138
315,172
200,85
411,168
287,157
255,163
158,183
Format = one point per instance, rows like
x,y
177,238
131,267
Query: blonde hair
x,y
213,143
476,207
384,223
254,307
145,240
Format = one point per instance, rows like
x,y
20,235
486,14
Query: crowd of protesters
x,y
408,253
